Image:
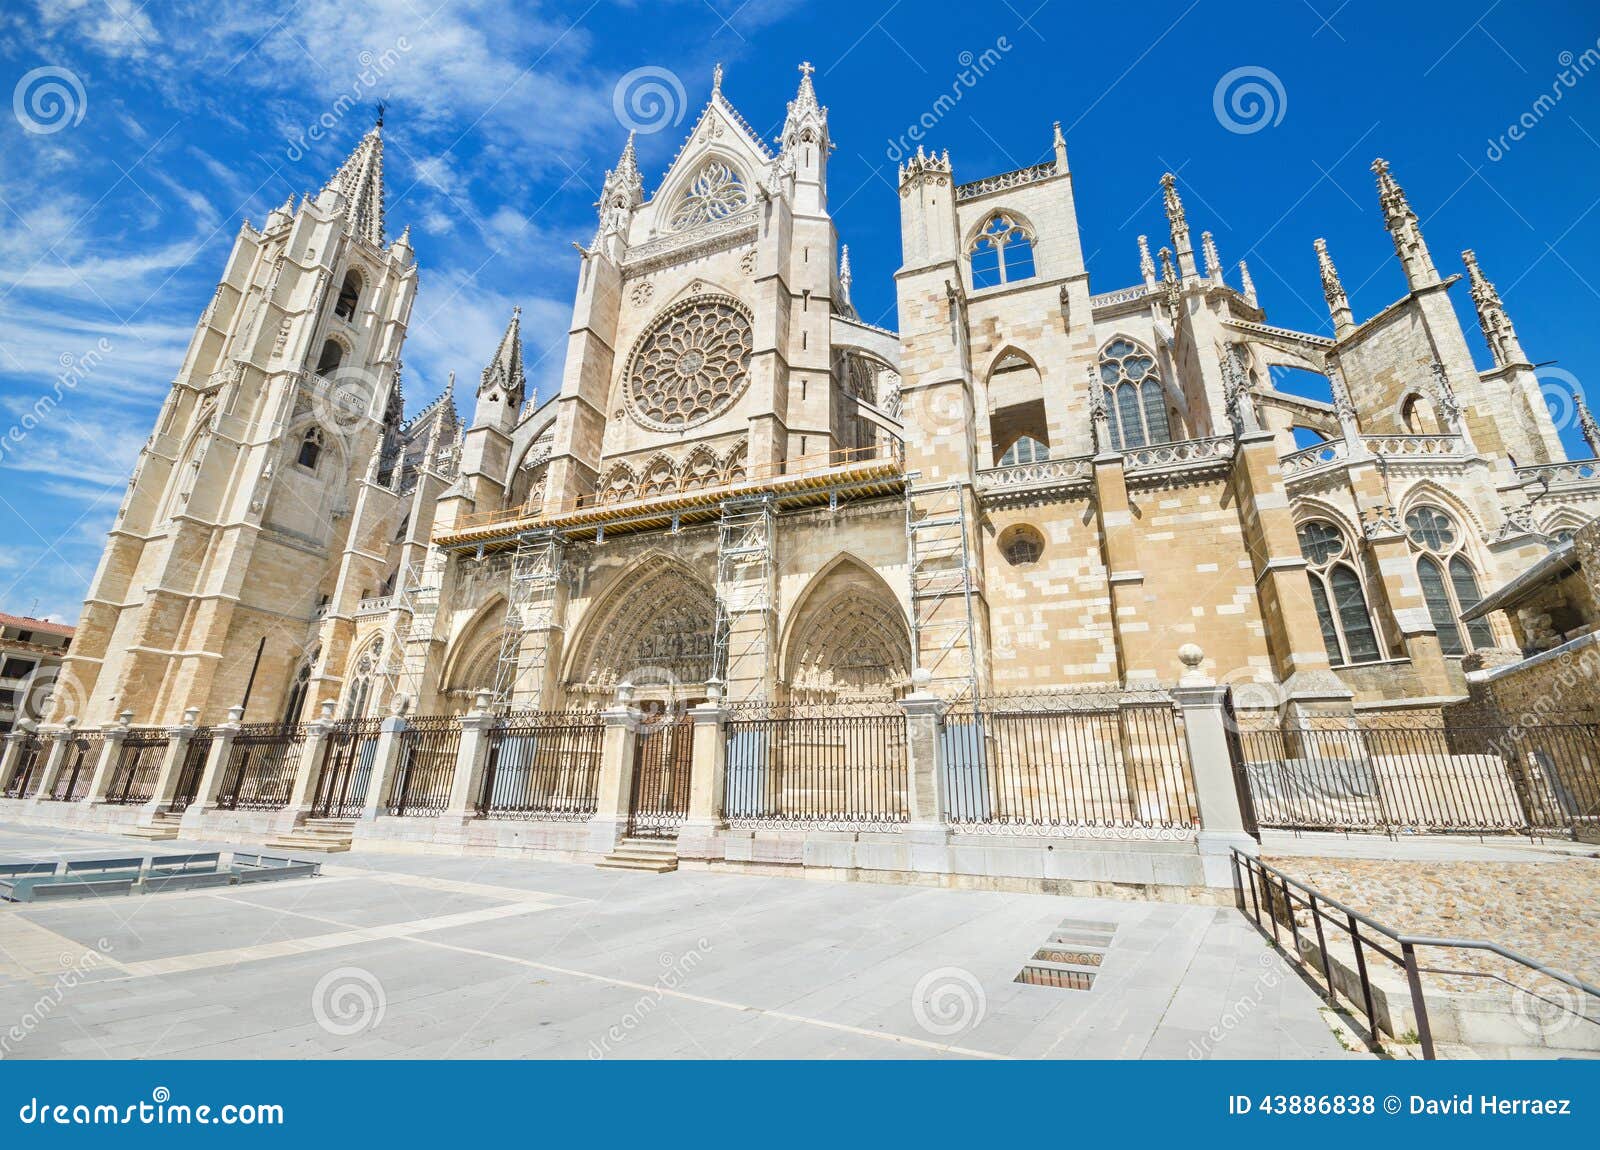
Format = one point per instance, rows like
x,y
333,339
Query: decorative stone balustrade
x,y
1184,455
1314,458
1006,180
1042,475
1562,474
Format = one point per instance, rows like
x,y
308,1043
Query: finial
x,y
806,69
382,107
716,84
1247,284
1147,266
1208,246
1333,291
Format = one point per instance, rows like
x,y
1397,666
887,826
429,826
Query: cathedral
x,y
745,491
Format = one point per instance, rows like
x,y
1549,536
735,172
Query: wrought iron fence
x,y
816,767
348,755
663,754
191,770
427,765
133,781
30,758
543,765
261,767
1536,780
1051,764
77,769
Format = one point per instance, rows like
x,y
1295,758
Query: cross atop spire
x,y
359,183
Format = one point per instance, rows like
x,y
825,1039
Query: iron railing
x,y
543,765
820,770
133,780
1535,780
77,769
427,766
261,767
1278,898
1058,763
347,758
191,770
30,757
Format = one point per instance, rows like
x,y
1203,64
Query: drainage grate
x,y
1072,956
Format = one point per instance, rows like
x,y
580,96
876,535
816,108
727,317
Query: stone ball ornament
x,y
691,364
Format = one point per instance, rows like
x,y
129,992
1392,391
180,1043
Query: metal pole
x,y
250,684
1418,1004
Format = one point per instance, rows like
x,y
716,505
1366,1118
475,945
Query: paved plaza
x,y
411,956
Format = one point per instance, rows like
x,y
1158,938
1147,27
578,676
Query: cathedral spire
x,y
1497,330
1404,229
1178,224
1247,284
1344,321
1208,246
503,376
1147,266
807,120
359,186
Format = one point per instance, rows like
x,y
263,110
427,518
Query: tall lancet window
x,y
1336,591
1135,400
330,359
1449,582
716,192
349,296
1001,253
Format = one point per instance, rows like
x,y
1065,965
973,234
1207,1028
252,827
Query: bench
x,y
87,866
19,888
10,870
273,873
190,881
186,864
95,888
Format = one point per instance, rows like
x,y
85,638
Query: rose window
x,y
690,364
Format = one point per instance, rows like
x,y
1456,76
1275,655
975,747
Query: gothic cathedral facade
x,y
743,487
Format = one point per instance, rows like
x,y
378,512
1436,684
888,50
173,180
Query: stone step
x,y
635,863
159,833
311,840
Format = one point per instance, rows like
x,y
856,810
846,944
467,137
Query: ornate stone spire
x,y
1247,284
1497,330
504,375
1099,417
1333,291
359,184
1587,424
1444,397
1404,229
1208,248
1169,279
1236,393
1147,266
807,120
1178,223
845,276
1058,144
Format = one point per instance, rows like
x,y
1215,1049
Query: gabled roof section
x,y
719,128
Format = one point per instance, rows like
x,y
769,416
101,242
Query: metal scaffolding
x,y
534,575
411,618
939,554
745,565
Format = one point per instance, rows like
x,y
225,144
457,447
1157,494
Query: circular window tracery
x,y
1021,545
692,362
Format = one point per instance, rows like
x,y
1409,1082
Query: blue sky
x,y
178,120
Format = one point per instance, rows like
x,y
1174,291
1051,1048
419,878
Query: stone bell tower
x,y
226,546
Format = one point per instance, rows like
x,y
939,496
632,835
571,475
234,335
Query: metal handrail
x,y
1408,944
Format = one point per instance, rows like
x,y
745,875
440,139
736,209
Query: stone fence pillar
x,y
926,832
11,757
110,756
472,759
615,796
707,778
307,772
1205,727
178,739
214,775
385,761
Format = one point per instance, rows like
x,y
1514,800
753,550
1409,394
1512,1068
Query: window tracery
x,y
691,364
1449,581
1338,596
716,192
1135,400
1001,253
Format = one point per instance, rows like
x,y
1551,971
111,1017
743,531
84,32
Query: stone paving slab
x,y
412,956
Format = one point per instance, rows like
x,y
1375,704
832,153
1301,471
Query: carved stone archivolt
x,y
656,627
853,644
691,364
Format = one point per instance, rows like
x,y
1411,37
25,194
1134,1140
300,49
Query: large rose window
x,y
692,362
